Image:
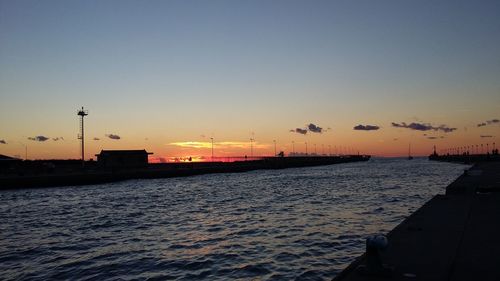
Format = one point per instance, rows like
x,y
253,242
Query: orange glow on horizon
x,y
199,158
386,142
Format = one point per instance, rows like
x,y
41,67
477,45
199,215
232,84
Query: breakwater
x,y
451,237
93,174
465,158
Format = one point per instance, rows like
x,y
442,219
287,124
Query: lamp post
x,y
212,139
25,150
251,147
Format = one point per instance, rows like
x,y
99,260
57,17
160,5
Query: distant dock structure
x,y
82,113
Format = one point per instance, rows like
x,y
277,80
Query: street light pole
x,y
212,149
25,151
251,147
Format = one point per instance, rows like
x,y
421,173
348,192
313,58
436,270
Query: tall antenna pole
x,y
82,113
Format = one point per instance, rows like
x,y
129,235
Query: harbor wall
x,y
451,237
52,175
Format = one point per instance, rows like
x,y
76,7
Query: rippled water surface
x,y
303,223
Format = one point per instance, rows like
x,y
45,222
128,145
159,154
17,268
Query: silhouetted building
x,y
123,158
6,159
7,162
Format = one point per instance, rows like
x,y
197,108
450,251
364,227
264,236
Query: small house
x,y
123,158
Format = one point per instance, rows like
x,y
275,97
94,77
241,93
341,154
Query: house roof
x,y
8,158
123,152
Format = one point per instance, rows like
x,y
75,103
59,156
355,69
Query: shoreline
x,y
97,175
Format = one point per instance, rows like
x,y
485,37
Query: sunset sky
x,y
167,76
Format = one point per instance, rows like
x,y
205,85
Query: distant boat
x,y
409,152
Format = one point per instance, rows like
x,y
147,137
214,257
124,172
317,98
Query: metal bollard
x,y
374,265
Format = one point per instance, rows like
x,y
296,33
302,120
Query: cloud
x,y
315,129
96,139
486,136
423,127
366,127
432,138
444,128
299,131
3,142
193,144
309,128
488,122
219,145
38,138
58,138
113,137
413,126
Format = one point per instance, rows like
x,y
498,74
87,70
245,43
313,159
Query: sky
x,y
167,76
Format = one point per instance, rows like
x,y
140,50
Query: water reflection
x,y
283,224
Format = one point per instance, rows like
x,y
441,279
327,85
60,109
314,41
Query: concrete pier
x,y
62,175
465,158
452,237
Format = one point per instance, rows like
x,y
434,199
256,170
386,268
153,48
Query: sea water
x,y
292,224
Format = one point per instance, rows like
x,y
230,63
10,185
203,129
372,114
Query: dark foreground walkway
x,y
452,237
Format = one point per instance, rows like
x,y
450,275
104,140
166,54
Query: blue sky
x,y
174,70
